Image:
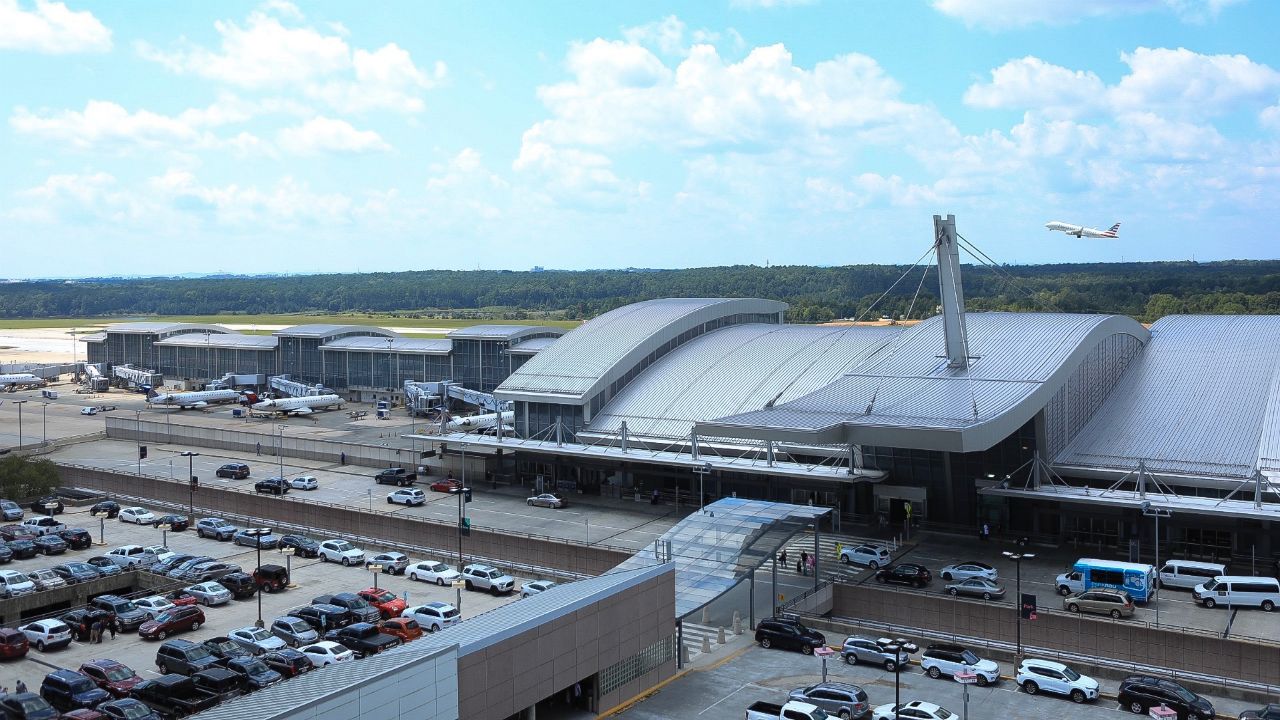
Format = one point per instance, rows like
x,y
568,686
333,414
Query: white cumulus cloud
x,y
1030,82
52,28
1185,82
329,135
385,79
1007,14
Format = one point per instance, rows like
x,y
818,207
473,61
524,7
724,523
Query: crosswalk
x,y
829,546
694,633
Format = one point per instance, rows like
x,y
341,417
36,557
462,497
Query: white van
x,y
1187,574
1239,591
88,411
14,583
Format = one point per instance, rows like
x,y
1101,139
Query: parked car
x,y
41,505
547,500
216,570
976,587
433,616
137,516
788,634
484,577
246,538
209,593
13,532
905,574
393,563
50,544
153,605
22,548
256,640
216,528
176,523
303,546
114,677
304,482
69,690
873,556
536,587
174,620
74,572
76,538
240,584
293,631
1139,693
1239,591
389,604
271,578
433,572
233,471
322,616
13,643
407,629
46,579
1266,712
162,567
80,620
131,556
26,706
445,486
256,674
104,564
15,584
407,497
181,568
43,525
222,683
10,510
127,709
362,638
110,507
1053,677
359,608
6,554
340,551
224,648
184,657
173,696
181,598
47,634
839,700
287,662
881,652
395,476
326,652
272,485
948,659
1115,603
125,610
915,710
968,569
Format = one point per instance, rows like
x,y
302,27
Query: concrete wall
x,y
426,689
57,600
1079,634
514,674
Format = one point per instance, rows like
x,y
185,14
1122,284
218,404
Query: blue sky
x,y
158,137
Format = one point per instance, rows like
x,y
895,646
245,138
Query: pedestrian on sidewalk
x,y
114,627
95,632
812,565
783,557
986,532
258,448
21,687
342,457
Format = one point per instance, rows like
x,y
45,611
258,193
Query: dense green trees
x,y
1142,290
22,478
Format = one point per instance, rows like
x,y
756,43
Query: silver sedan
x,y
209,593
966,570
977,587
550,500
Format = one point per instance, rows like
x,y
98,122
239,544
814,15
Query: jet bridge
x,y
284,385
94,380
128,376
420,397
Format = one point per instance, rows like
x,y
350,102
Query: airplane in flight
x,y
19,379
298,405
1081,231
198,400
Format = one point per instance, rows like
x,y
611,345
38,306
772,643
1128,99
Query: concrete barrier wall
x,y
1119,640
325,519
58,600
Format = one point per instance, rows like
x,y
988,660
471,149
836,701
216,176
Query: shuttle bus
x,y
1136,579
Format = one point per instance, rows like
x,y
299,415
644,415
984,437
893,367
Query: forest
x,y
1145,291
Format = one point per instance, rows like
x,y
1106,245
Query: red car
x,y
13,643
182,597
402,627
445,486
170,621
387,602
114,677
82,714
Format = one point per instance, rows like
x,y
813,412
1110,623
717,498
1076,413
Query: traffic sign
x,y
459,583
1163,712
965,678
823,652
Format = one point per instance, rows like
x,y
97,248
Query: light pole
x,y
280,450
102,516
376,569
702,471
44,423
896,647
1156,513
137,423
1017,559
191,480
20,403
288,564
256,534
164,530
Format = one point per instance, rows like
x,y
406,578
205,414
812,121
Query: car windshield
x,y
124,607
1211,584
31,705
198,652
258,634
943,714
116,674
970,658
410,624
341,546
81,684
255,667
1072,675
1184,695
134,712
384,596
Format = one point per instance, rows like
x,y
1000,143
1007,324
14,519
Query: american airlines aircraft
x,y
298,405
478,422
1081,231
16,379
198,400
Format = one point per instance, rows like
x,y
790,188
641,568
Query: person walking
x,y
258,448
783,557
804,562
342,456
114,627
20,687
986,532
95,632
812,565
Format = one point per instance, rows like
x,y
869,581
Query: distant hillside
x,y
1142,290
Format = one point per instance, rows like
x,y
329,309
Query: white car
x,y
340,551
433,616
969,569
43,525
47,634
153,605
137,515
132,556
535,587
1053,677
914,710
257,640
326,652
15,584
433,572
209,593
947,659
485,577
873,556
407,496
305,482
161,552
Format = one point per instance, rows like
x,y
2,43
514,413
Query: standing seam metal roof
x,y
323,331
358,343
502,332
160,328
1202,399
221,340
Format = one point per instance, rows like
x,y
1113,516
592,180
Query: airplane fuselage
x,y
200,399
1081,231
478,422
19,379
298,405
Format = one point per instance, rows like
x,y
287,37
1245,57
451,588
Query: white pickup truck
x,y
792,710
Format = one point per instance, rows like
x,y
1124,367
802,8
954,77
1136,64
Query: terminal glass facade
x,y
195,361
373,369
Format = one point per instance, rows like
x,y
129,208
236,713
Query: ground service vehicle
x,y
1137,579
791,710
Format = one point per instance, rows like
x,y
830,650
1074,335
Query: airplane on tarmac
x,y
17,379
198,400
1081,231
298,405
479,422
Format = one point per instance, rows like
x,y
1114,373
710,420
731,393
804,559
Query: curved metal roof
x,y
532,346
734,370
1202,399
327,331
225,340
502,332
906,396
162,328
593,355
422,346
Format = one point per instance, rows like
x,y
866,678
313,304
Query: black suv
x,y
176,523
241,585
235,471
275,486
69,690
905,574
303,546
184,657
129,615
788,634
110,507
359,608
322,617
40,505
76,538
1140,693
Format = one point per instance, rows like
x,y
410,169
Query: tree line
x,y
1142,290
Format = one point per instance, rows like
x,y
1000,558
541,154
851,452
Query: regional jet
x,y
19,379
198,400
1081,231
298,405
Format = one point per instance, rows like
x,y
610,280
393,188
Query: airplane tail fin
x,y
151,392
1115,229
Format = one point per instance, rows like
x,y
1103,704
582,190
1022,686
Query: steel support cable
x,y
895,284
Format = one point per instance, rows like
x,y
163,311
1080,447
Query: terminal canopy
x,y
718,548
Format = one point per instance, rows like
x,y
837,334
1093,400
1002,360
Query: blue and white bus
x,y
1136,579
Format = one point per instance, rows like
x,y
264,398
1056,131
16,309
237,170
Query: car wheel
x,y
199,533
850,659
160,636
1073,608
40,645
1115,614
1268,606
390,501
953,592
889,665
208,602
983,681
1077,696
346,562
1136,708
946,576
1063,590
529,503
469,586
164,669
765,643
844,715
195,626
934,672
324,558
986,596
845,559
880,579
440,582
1209,603
874,565
806,650
1030,688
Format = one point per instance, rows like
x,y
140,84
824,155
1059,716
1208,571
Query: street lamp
x,y
702,471
20,403
1017,559
1156,513
44,423
51,507
897,646
376,569
191,478
280,450
102,516
288,564
256,534
164,529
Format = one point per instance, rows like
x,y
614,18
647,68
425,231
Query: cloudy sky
x,y
160,137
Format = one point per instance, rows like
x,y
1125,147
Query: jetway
x,y
420,397
94,380
284,385
234,381
128,376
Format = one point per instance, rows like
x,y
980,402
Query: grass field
x,y
362,319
